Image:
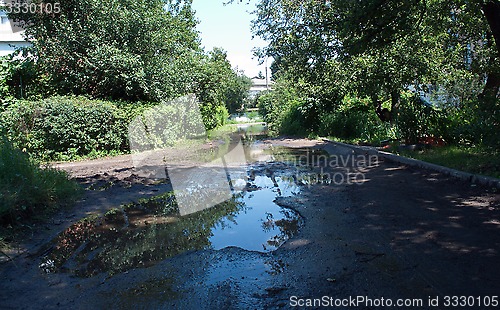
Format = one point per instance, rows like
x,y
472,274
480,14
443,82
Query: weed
x,y
470,159
26,189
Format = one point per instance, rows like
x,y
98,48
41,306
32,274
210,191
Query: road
x,y
389,234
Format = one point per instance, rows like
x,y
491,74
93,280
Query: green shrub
x,y
5,92
222,115
26,189
489,120
291,121
167,124
417,119
66,127
354,119
69,128
214,114
283,111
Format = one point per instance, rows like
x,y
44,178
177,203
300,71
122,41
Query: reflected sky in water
x,y
263,225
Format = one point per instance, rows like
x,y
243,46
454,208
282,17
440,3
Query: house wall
x,y
9,40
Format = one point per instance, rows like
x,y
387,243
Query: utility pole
x,y
267,83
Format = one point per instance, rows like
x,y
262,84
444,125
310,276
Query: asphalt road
x,y
375,233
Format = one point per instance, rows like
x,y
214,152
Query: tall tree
x,y
386,45
114,48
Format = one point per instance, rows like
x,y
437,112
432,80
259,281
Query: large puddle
x,y
149,231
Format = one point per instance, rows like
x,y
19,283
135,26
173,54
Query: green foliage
x,y
353,120
416,120
477,123
237,93
218,88
26,189
115,49
292,120
329,50
124,50
222,115
70,128
471,159
281,110
4,87
166,124
23,78
62,128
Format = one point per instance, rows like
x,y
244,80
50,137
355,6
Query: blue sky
x,y
228,27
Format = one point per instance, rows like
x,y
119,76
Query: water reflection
x,y
263,226
143,233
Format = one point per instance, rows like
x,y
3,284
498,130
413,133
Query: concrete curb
x,y
465,176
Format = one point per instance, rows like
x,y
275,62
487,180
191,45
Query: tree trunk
x,y
395,102
492,86
491,10
383,114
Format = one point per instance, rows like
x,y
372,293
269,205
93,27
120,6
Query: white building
x,y
9,40
259,85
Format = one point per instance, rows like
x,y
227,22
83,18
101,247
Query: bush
x,y
5,93
354,120
167,124
221,115
283,110
26,189
291,121
66,127
418,119
489,117
69,128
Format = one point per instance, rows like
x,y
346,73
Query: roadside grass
x,y
28,191
94,154
222,131
355,141
472,159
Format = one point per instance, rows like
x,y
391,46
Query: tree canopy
x,y
385,45
127,50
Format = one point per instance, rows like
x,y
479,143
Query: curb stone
x,y
464,176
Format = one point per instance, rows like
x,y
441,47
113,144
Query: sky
x,y
228,27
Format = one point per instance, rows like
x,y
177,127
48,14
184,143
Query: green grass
x,y
26,189
476,160
354,141
472,159
221,131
